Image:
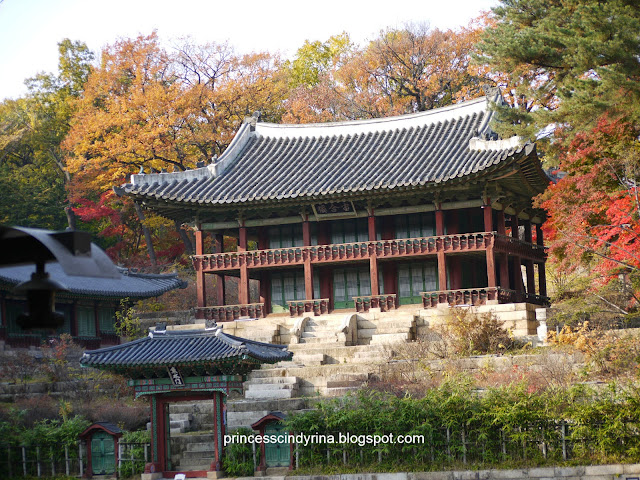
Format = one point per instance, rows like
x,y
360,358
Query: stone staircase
x,y
271,387
178,422
386,328
193,451
321,330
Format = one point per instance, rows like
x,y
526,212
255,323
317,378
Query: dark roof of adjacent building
x,y
127,285
184,348
275,163
104,426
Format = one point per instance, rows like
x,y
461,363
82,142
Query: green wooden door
x,y
277,454
349,283
103,454
414,278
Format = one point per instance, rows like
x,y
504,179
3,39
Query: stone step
x,y
270,394
387,338
244,419
196,457
271,405
318,322
276,472
187,416
347,380
197,464
271,380
371,332
320,340
200,446
312,371
190,407
176,430
179,423
318,334
310,359
253,387
339,391
403,323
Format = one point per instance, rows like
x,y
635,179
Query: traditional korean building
x,y
424,208
88,305
170,366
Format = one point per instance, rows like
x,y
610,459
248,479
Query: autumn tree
x,y
574,65
33,176
149,108
402,71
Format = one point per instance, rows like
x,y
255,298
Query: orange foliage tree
x,y
402,71
145,107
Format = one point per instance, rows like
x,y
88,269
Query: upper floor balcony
x,y
381,249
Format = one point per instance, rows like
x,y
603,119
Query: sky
x,y
31,29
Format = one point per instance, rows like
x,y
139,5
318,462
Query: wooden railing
x,y
480,296
515,246
317,306
397,248
228,313
468,296
383,302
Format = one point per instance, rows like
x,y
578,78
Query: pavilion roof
x,y
208,350
126,283
273,163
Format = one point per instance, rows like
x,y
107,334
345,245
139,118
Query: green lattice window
x,y
86,320
415,225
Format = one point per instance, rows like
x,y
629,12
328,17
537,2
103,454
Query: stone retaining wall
x,y
594,472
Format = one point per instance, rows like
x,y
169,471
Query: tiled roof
x,y
175,348
268,163
129,284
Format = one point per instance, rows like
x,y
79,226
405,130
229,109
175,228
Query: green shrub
x,y
238,457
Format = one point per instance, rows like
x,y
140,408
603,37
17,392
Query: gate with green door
x,y
102,444
277,454
103,453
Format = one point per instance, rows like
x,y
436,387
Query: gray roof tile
x,y
130,284
183,347
310,161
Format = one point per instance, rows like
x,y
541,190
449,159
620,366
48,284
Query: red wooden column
x,y
243,284
201,287
542,274
453,261
487,213
218,431
308,268
442,265
390,272
265,277
528,264
491,260
373,258
504,259
218,245
502,229
517,265
158,434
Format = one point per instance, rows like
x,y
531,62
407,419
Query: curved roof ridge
x,y
356,127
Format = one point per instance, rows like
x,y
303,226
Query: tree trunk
x,y
147,235
71,217
185,238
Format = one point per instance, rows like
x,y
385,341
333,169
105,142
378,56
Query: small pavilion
x,y
184,366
